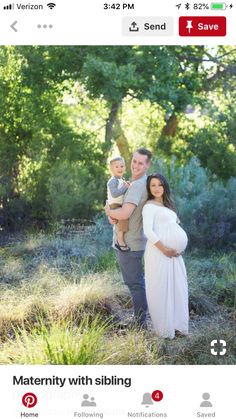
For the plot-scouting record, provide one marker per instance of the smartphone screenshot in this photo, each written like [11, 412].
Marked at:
[117, 209]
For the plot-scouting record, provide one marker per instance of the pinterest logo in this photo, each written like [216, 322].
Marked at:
[29, 400]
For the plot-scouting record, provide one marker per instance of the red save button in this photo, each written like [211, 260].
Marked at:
[202, 26]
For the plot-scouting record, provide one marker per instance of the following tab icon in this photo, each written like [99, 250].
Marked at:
[202, 26]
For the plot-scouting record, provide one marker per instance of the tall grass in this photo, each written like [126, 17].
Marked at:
[58, 344]
[89, 343]
[58, 307]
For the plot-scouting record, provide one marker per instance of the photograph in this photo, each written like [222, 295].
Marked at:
[117, 205]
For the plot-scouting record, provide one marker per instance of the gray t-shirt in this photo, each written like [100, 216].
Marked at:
[137, 195]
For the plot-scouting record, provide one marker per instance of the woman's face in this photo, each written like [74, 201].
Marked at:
[156, 188]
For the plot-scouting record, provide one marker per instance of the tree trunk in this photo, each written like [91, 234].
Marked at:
[122, 142]
[170, 128]
[9, 192]
[114, 132]
[109, 126]
[165, 141]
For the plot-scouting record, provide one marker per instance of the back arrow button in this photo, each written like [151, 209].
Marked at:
[13, 26]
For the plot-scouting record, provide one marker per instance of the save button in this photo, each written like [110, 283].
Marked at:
[202, 26]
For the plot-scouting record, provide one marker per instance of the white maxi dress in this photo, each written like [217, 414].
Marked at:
[165, 278]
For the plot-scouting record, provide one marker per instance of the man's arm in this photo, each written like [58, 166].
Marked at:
[123, 213]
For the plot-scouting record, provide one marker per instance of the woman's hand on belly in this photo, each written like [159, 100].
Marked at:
[167, 251]
[170, 253]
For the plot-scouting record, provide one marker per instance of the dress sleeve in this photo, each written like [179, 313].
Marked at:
[149, 212]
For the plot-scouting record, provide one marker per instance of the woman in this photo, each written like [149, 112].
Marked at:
[165, 273]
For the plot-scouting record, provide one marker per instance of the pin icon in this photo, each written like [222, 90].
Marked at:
[29, 400]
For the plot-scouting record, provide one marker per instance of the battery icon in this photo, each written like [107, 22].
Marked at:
[218, 6]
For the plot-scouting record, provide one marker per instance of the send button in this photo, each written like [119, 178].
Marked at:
[147, 26]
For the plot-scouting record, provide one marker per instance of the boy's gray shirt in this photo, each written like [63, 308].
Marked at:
[113, 185]
[137, 195]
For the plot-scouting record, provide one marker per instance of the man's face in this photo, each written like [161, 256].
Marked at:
[139, 165]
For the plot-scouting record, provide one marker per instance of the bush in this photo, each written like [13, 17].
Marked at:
[205, 205]
[17, 213]
[215, 150]
[73, 191]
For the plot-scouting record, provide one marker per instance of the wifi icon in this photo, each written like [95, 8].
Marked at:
[51, 5]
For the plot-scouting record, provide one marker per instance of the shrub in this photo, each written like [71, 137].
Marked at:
[205, 205]
[73, 191]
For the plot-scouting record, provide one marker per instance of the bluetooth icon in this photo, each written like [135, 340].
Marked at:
[187, 6]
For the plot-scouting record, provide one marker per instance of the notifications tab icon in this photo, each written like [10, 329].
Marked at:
[202, 26]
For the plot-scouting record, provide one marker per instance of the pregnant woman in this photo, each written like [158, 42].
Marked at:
[165, 273]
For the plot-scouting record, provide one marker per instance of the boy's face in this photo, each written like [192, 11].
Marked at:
[117, 168]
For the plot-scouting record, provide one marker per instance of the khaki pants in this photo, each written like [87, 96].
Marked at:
[122, 225]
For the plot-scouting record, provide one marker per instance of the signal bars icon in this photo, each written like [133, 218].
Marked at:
[9, 7]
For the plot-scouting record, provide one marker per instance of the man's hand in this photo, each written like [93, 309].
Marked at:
[108, 211]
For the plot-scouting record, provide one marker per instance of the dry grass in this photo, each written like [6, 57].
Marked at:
[59, 307]
[51, 296]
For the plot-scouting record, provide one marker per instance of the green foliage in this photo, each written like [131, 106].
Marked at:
[205, 205]
[73, 190]
[215, 151]
[60, 107]
[212, 278]
[170, 76]
[110, 76]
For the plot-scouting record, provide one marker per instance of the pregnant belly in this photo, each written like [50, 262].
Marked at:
[174, 236]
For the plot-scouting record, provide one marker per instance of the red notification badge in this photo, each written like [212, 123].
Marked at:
[157, 395]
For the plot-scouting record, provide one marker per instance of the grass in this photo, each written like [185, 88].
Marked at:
[61, 343]
[51, 296]
[61, 299]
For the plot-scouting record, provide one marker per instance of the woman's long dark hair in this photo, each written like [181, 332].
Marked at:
[167, 200]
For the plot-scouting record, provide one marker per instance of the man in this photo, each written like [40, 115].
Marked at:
[130, 262]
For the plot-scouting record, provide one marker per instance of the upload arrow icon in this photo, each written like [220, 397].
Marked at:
[134, 27]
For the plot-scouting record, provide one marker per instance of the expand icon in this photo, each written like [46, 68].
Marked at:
[218, 347]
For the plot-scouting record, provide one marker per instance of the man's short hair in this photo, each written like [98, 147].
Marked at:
[145, 152]
[118, 158]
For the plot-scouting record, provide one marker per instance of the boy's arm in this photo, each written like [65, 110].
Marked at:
[113, 184]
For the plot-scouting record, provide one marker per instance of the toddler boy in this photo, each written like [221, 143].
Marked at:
[116, 188]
